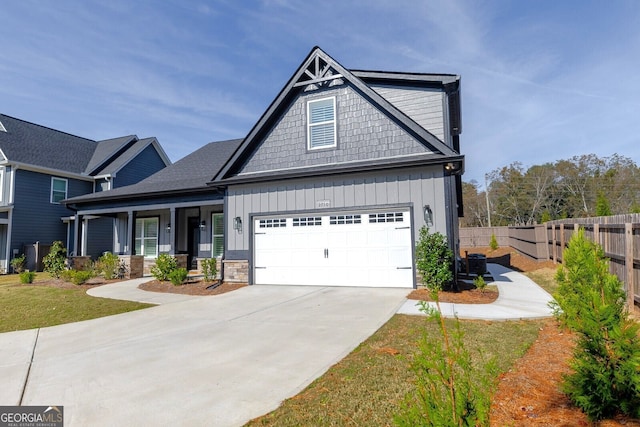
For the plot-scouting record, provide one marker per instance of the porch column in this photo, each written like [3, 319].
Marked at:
[85, 230]
[131, 218]
[172, 231]
[76, 234]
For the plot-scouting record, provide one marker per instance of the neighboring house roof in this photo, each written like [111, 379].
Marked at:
[33, 144]
[326, 68]
[191, 173]
[38, 146]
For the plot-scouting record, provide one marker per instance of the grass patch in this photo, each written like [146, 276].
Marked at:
[27, 306]
[367, 387]
[545, 277]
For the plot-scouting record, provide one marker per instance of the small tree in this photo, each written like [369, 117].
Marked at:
[55, 262]
[209, 269]
[18, 263]
[449, 391]
[493, 244]
[605, 376]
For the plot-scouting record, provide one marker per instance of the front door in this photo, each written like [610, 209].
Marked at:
[193, 242]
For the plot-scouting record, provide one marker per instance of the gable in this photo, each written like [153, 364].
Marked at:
[364, 133]
[319, 73]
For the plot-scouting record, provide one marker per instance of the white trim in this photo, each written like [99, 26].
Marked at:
[154, 207]
[3, 172]
[213, 235]
[143, 238]
[48, 171]
[322, 123]
[66, 189]
[2, 128]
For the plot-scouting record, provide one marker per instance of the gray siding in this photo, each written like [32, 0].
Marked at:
[142, 166]
[363, 133]
[408, 187]
[34, 217]
[424, 106]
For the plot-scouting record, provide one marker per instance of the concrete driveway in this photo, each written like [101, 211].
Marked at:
[219, 360]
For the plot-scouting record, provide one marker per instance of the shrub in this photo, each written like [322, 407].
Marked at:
[109, 265]
[434, 260]
[480, 283]
[18, 264]
[27, 277]
[209, 269]
[55, 261]
[493, 244]
[605, 378]
[449, 391]
[178, 276]
[165, 264]
[77, 277]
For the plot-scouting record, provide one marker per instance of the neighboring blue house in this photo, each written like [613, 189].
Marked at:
[330, 187]
[40, 167]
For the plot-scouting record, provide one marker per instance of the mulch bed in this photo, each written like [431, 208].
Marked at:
[190, 288]
[466, 294]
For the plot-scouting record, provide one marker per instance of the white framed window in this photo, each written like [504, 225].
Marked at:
[321, 123]
[58, 189]
[217, 238]
[2, 172]
[147, 237]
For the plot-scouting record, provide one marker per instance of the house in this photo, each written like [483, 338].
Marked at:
[330, 186]
[40, 167]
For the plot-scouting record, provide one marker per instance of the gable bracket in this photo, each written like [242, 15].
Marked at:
[319, 80]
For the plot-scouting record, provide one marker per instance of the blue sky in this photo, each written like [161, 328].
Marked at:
[541, 80]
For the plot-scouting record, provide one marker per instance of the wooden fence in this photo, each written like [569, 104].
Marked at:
[619, 236]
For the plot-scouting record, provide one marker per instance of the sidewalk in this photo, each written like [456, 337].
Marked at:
[128, 290]
[520, 298]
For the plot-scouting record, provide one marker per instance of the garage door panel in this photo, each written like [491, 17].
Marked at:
[335, 250]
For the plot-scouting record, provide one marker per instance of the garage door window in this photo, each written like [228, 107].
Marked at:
[307, 221]
[386, 217]
[273, 223]
[345, 219]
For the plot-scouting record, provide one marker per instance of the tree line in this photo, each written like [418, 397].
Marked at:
[582, 186]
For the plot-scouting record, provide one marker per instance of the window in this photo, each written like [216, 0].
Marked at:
[217, 240]
[307, 221]
[147, 237]
[1, 184]
[345, 219]
[273, 223]
[321, 120]
[386, 217]
[58, 189]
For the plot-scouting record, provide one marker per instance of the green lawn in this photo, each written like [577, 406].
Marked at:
[26, 306]
[366, 387]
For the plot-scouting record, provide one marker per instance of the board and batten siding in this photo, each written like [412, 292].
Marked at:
[407, 187]
[425, 106]
[363, 133]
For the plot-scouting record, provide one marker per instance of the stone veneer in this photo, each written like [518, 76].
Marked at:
[236, 271]
[134, 266]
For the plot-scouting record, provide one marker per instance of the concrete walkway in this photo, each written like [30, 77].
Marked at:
[128, 290]
[520, 298]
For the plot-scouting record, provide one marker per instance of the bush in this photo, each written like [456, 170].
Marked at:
[209, 269]
[178, 276]
[165, 264]
[480, 283]
[18, 264]
[77, 277]
[605, 378]
[55, 262]
[109, 265]
[493, 244]
[434, 260]
[27, 277]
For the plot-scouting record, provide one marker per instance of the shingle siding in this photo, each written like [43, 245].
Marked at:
[142, 166]
[34, 217]
[363, 133]
[424, 106]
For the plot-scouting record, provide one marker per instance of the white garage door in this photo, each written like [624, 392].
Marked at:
[363, 249]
